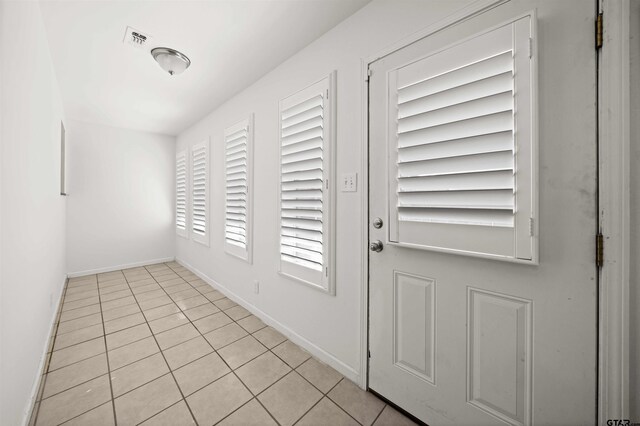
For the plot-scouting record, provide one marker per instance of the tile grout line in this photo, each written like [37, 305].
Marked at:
[78, 384]
[373, 423]
[255, 396]
[231, 370]
[167, 408]
[106, 353]
[200, 335]
[88, 411]
[163, 357]
[319, 401]
[198, 290]
[51, 344]
[268, 349]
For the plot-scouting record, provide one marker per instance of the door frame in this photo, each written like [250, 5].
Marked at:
[613, 199]
[614, 211]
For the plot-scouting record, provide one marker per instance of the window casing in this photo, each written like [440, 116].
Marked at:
[181, 193]
[238, 141]
[200, 193]
[307, 137]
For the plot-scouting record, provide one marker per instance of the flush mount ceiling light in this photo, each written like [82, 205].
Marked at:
[170, 60]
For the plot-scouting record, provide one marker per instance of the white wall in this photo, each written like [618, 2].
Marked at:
[121, 197]
[330, 323]
[634, 49]
[32, 210]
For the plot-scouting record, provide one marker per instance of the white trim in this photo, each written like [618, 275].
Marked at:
[324, 356]
[614, 212]
[120, 267]
[467, 12]
[471, 10]
[364, 236]
[28, 412]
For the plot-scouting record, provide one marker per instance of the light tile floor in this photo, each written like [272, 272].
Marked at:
[156, 345]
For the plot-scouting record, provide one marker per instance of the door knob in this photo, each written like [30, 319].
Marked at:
[376, 246]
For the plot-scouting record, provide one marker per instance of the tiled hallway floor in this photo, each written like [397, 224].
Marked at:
[156, 345]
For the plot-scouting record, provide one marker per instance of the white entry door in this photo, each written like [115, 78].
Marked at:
[482, 176]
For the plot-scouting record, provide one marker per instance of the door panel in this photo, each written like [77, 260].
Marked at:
[456, 338]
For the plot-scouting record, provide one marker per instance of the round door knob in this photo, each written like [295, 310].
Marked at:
[376, 246]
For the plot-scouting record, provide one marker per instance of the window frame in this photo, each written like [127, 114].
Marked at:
[200, 238]
[245, 254]
[323, 281]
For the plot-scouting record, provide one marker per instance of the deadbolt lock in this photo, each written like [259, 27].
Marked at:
[377, 223]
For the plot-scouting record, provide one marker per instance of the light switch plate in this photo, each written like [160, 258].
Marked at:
[349, 182]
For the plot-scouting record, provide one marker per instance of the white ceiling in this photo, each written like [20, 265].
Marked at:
[231, 44]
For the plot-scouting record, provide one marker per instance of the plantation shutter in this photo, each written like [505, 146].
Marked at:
[181, 193]
[199, 176]
[461, 126]
[237, 190]
[305, 159]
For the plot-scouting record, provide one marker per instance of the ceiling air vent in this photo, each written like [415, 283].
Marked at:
[136, 38]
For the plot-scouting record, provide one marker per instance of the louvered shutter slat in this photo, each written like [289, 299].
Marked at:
[302, 262]
[483, 125]
[493, 104]
[302, 137]
[304, 224]
[458, 182]
[458, 216]
[304, 145]
[302, 185]
[474, 72]
[455, 158]
[494, 142]
[479, 89]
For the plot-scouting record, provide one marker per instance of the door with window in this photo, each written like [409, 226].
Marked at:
[482, 280]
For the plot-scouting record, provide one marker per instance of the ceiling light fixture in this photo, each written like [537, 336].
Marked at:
[170, 60]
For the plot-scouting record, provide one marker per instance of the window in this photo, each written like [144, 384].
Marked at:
[181, 193]
[306, 215]
[199, 188]
[238, 140]
[463, 147]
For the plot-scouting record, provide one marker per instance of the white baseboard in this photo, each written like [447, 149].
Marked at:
[119, 267]
[310, 347]
[36, 385]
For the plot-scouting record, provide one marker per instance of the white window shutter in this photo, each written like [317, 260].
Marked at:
[238, 141]
[181, 193]
[199, 192]
[306, 213]
[463, 147]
